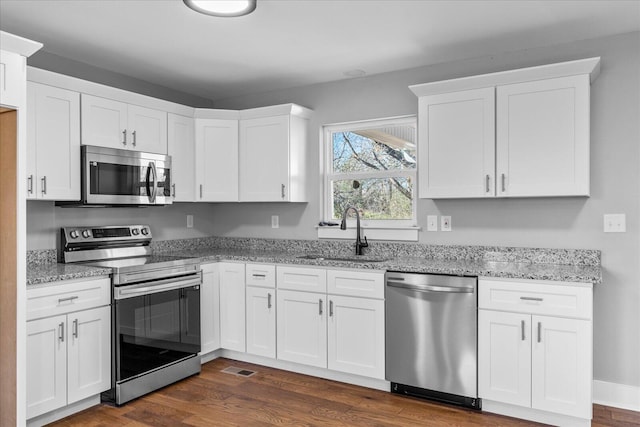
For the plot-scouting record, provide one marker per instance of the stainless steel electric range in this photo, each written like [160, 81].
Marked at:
[155, 307]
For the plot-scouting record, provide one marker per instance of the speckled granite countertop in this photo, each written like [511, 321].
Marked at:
[52, 272]
[566, 265]
[559, 272]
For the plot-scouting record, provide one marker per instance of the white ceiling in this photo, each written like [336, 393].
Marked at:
[288, 43]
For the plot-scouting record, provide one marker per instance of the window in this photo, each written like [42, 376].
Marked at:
[371, 165]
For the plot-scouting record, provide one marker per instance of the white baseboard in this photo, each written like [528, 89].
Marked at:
[617, 395]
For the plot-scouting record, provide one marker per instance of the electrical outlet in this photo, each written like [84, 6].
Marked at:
[445, 223]
[275, 221]
[432, 222]
[189, 221]
[615, 223]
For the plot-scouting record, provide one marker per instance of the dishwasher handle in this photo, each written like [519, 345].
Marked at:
[432, 288]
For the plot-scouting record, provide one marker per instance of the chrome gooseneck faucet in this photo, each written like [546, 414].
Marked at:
[343, 226]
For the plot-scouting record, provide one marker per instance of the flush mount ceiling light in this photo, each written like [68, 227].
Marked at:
[222, 7]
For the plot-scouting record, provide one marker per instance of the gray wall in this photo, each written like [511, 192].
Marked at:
[545, 222]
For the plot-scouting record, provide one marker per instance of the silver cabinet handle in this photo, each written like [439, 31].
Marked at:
[134, 137]
[124, 137]
[330, 308]
[269, 300]
[201, 191]
[61, 300]
[522, 328]
[539, 331]
[259, 275]
[282, 189]
[30, 184]
[487, 183]
[532, 299]
[75, 328]
[320, 307]
[503, 177]
[61, 332]
[44, 184]
[173, 190]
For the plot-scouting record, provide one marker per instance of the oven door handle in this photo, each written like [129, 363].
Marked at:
[159, 286]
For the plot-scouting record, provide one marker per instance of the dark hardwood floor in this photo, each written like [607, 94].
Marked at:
[275, 397]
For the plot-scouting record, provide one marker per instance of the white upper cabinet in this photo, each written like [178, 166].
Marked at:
[115, 124]
[12, 78]
[543, 137]
[181, 148]
[53, 143]
[216, 160]
[519, 133]
[457, 144]
[272, 154]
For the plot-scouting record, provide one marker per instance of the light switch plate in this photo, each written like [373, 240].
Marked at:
[445, 223]
[432, 222]
[189, 221]
[615, 223]
[275, 221]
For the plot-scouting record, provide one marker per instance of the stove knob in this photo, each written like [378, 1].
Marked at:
[145, 231]
[135, 231]
[86, 234]
[73, 234]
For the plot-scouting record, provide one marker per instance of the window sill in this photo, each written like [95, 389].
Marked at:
[403, 234]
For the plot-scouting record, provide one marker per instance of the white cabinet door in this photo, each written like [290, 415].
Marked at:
[302, 327]
[456, 150]
[46, 365]
[53, 138]
[232, 306]
[561, 365]
[261, 321]
[543, 137]
[217, 160]
[264, 159]
[504, 357]
[89, 353]
[12, 78]
[210, 308]
[181, 148]
[104, 122]
[356, 336]
[147, 129]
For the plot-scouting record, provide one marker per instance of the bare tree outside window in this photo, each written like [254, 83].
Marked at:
[372, 168]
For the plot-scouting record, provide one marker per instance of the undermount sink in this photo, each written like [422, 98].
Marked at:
[354, 258]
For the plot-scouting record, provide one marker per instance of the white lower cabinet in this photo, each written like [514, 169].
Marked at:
[302, 327]
[68, 359]
[355, 337]
[68, 343]
[341, 332]
[232, 306]
[534, 356]
[261, 321]
[210, 308]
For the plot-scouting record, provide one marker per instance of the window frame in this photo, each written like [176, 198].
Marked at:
[326, 160]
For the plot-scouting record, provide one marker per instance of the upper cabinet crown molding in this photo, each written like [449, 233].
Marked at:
[213, 113]
[276, 110]
[20, 45]
[589, 66]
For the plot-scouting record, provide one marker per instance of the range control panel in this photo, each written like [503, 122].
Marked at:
[113, 233]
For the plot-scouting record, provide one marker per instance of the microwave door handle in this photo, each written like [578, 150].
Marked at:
[151, 193]
[148, 182]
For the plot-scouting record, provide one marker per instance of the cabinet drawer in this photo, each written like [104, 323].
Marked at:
[302, 279]
[356, 283]
[536, 297]
[263, 275]
[67, 297]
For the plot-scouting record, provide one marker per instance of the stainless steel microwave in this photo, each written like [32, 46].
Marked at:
[122, 177]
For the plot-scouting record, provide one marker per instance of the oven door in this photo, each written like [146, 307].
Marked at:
[156, 324]
[122, 177]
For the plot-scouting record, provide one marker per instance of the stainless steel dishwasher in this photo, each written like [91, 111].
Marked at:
[431, 337]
